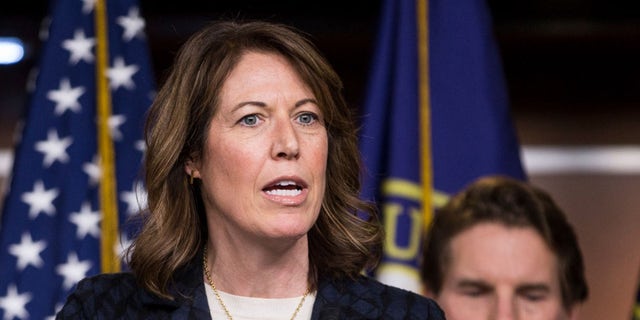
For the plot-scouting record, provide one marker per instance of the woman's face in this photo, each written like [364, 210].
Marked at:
[264, 161]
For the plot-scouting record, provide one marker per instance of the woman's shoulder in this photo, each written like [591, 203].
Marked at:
[107, 282]
[119, 296]
[367, 298]
[104, 294]
[116, 286]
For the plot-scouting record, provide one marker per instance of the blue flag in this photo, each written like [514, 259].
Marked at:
[52, 219]
[436, 117]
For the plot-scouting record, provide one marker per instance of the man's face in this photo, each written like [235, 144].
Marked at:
[499, 272]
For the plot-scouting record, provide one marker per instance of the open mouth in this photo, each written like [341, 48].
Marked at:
[284, 188]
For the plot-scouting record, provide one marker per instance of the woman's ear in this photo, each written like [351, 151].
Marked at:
[191, 170]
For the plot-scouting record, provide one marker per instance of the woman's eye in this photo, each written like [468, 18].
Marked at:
[307, 118]
[249, 120]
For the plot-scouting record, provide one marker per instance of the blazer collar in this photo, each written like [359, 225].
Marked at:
[187, 289]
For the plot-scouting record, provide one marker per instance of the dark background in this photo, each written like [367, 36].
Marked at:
[562, 58]
[573, 76]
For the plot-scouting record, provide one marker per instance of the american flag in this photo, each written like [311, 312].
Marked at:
[50, 232]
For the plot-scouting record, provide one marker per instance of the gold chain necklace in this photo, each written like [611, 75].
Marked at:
[217, 294]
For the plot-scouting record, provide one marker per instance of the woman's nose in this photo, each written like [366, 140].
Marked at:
[285, 141]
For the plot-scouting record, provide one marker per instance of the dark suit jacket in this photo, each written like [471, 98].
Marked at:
[117, 296]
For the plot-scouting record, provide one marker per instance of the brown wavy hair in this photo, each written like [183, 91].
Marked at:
[345, 240]
[512, 203]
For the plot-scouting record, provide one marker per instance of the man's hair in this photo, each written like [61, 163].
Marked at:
[512, 203]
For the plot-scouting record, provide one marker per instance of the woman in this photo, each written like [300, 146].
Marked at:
[252, 171]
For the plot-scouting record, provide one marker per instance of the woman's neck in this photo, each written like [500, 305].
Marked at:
[264, 271]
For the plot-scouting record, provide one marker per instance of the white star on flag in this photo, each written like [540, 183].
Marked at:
[79, 47]
[136, 199]
[140, 146]
[132, 24]
[28, 252]
[54, 148]
[93, 170]
[40, 200]
[55, 312]
[121, 74]
[88, 5]
[73, 270]
[66, 97]
[114, 123]
[122, 246]
[14, 303]
[86, 221]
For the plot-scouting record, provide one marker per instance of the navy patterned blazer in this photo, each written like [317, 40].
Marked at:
[117, 296]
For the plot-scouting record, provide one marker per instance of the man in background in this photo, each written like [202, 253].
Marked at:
[502, 249]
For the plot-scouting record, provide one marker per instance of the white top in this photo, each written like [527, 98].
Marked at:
[247, 308]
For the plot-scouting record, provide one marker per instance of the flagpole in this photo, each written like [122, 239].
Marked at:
[108, 202]
[422, 12]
